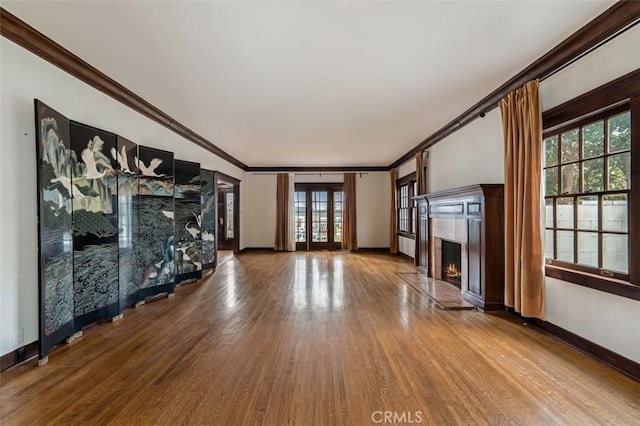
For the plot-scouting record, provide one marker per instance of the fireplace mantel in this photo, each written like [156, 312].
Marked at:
[472, 216]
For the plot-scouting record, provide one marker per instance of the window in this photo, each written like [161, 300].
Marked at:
[337, 216]
[406, 190]
[589, 197]
[300, 202]
[229, 222]
[587, 179]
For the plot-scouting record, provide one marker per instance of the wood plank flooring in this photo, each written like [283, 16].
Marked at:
[444, 295]
[313, 339]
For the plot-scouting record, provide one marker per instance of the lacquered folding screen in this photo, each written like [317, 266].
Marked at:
[188, 219]
[208, 206]
[95, 224]
[55, 194]
[156, 216]
[118, 223]
[129, 265]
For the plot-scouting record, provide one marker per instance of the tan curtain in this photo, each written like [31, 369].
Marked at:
[393, 230]
[522, 127]
[421, 188]
[421, 179]
[291, 234]
[282, 212]
[349, 225]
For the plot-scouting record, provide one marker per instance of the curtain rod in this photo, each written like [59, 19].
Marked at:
[307, 174]
[585, 53]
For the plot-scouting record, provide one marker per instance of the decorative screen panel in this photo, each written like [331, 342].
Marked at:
[95, 224]
[55, 193]
[156, 226]
[129, 268]
[208, 208]
[188, 219]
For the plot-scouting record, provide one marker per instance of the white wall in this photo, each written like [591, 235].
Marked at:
[258, 222]
[23, 77]
[372, 204]
[474, 155]
[407, 246]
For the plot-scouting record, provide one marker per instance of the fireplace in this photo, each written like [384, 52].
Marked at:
[461, 241]
[451, 263]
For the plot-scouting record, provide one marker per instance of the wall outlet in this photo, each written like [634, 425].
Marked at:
[18, 337]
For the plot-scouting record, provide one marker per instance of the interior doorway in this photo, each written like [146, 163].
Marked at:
[318, 216]
[228, 217]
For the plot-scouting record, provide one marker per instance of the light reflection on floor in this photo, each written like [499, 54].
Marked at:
[231, 299]
[318, 283]
[404, 306]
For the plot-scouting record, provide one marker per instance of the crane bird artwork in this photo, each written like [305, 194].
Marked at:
[122, 159]
[88, 157]
[70, 187]
[149, 170]
[193, 230]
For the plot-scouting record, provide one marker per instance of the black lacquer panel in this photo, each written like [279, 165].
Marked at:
[208, 208]
[55, 193]
[129, 267]
[156, 221]
[117, 223]
[188, 220]
[95, 224]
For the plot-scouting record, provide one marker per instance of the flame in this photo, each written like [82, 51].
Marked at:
[452, 271]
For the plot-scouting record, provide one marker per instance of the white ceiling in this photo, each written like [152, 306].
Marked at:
[310, 83]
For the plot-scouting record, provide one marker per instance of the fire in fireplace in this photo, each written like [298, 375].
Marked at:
[451, 269]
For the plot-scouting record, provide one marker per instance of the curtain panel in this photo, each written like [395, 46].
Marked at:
[421, 185]
[349, 224]
[524, 263]
[282, 212]
[393, 230]
[291, 228]
[421, 179]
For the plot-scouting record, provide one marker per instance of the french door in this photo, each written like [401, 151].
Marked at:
[318, 216]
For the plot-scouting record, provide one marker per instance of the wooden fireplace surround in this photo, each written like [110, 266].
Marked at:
[472, 216]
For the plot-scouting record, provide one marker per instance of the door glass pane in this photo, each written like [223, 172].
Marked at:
[300, 201]
[588, 213]
[319, 221]
[337, 217]
[229, 197]
[588, 248]
[615, 213]
[615, 253]
[564, 211]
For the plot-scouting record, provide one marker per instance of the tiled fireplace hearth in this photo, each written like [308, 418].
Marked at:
[473, 218]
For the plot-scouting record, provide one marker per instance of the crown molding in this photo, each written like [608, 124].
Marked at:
[618, 18]
[313, 169]
[24, 35]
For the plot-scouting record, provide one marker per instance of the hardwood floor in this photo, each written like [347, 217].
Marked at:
[313, 338]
